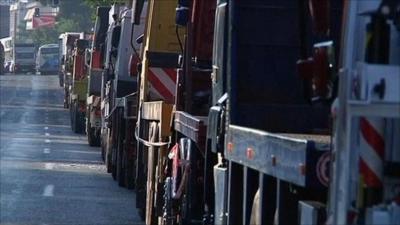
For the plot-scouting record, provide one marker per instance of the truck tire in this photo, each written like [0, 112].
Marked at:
[103, 153]
[113, 163]
[107, 153]
[77, 119]
[72, 117]
[129, 171]
[60, 82]
[142, 213]
[120, 149]
[120, 169]
[93, 139]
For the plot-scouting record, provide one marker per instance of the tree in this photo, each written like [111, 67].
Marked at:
[44, 35]
[74, 16]
[95, 3]
[77, 12]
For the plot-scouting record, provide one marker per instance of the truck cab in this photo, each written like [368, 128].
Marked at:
[24, 57]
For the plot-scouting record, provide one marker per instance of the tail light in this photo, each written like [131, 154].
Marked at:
[319, 70]
[134, 61]
[319, 10]
[97, 112]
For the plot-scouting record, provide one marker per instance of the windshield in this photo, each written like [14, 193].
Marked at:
[25, 55]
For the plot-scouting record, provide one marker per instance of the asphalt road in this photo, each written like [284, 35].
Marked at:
[49, 175]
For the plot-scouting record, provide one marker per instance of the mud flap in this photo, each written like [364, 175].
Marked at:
[221, 197]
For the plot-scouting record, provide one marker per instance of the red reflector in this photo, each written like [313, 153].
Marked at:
[250, 153]
[302, 169]
[82, 107]
[273, 160]
[97, 112]
[230, 147]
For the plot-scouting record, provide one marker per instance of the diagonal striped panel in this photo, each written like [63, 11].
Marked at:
[163, 83]
[372, 151]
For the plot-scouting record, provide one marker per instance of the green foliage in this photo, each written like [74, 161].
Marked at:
[44, 35]
[95, 3]
[74, 16]
[78, 12]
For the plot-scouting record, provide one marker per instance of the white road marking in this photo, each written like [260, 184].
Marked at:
[47, 141]
[46, 151]
[49, 166]
[46, 128]
[47, 134]
[48, 191]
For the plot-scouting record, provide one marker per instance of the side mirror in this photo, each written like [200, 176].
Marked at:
[319, 10]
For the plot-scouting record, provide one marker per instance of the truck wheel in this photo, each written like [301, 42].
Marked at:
[113, 163]
[120, 150]
[76, 120]
[107, 151]
[142, 213]
[93, 139]
[120, 169]
[80, 118]
[129, 171]
[61, 82]
[72, 117]
[103, 155]
[113, 166]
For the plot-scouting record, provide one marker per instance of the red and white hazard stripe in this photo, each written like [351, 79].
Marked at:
[162, 83]
[372, 151]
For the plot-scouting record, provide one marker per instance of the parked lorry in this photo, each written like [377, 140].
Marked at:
[78, 87]
[269, 126]
[24, 57]
[95, 63]
[112, 40]
[66, 44]
[119, 100]
[182, 182]
[157, 80]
